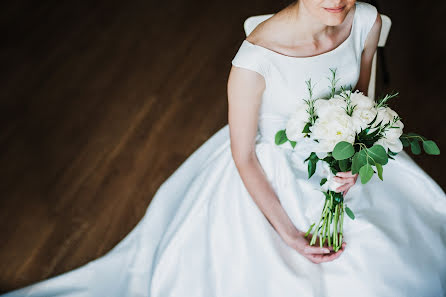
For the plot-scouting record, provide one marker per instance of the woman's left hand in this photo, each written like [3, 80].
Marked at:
[347, 179]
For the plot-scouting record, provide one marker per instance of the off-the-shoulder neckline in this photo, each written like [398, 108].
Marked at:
[350, 36]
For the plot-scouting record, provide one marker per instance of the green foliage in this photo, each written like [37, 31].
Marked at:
[333, 81]
[378, 154]
[344, 165]
[366, 173]
[280, 137]
[379, 168]
[360, 159]
[343, 150]
[312, 162]
[430, 147]
[333, 163]
[413, 140]
[350, 213]
[415, 146]
[306, 128]
[382, 102]
[323, 181]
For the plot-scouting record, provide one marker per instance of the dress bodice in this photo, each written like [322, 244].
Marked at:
[285, 76]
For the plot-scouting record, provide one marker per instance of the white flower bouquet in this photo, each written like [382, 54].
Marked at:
[351, 132]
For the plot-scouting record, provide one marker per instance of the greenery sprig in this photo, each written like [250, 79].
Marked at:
[382, 102]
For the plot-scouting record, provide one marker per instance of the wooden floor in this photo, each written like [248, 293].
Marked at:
[102, 100]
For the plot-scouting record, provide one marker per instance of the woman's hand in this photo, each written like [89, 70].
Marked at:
[347, 179]
[314, 253]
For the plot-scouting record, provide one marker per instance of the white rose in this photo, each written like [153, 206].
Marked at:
[361, 101]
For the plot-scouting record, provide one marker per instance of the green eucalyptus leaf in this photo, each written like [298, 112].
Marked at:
[356, 163]
[313, 156]
[366, 173]
[343, 165]
[293, 143]
[378, 153]
[343, 150]
[280, 137]
[430, 147]
[415, 146]
[360, 159]
[350, 213]
[311, 167]
[405, 141]
[379, 168]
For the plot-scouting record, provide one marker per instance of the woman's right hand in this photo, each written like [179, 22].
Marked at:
[314, 253]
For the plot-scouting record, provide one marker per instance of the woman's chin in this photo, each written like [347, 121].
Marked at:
[333, 21]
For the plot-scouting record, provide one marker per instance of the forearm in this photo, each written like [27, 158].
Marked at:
[263, 194]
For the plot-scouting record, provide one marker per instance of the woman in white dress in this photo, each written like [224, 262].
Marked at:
[229, 221]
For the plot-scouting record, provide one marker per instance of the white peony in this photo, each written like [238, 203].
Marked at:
[332, 128]
[362, 117]
[361, 101]
[386, 115]
[391, 139]
[325, 107]
[296, 123]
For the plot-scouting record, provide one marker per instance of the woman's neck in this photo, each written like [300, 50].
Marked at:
[306, 27]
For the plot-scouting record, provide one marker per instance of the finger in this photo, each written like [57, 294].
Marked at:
[344, 179]
[332, 256]
[343, 187]
[319, 258]
[315, 250]
[344, 174]
[338, 179]
[324, 258]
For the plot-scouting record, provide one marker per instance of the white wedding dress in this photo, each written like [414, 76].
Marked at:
[204, 236]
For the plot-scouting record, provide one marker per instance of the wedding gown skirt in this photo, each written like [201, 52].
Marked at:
[204, 236]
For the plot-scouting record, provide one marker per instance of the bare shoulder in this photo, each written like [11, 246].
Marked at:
[268, 33]
[263, 33]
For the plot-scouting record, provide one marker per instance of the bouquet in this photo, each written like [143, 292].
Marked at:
[351, 132]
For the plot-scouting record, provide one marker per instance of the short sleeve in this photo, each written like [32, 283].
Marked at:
[367, 17]
[248, 56]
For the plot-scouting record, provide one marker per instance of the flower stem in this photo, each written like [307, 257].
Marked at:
[335, 228]
[342, 223]
[313, 239]
[309, 229]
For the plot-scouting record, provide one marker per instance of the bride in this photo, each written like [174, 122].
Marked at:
[230, 220]
[303, 29]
